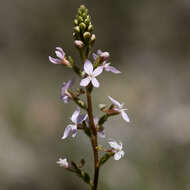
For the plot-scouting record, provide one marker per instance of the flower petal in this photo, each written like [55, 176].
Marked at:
[63, 162]
[88, 67]
[85, 81]
[125, 116]
[74, 133]
[101, 134]
[66, 132]
[99, 52]
[115, 102]
[60, 49]
[75, 115]
[54, 60]
[97, 71]
[112, 69]
[95, 82]
[114, 145]
[117, 156]
[59, 54]
[81, 118]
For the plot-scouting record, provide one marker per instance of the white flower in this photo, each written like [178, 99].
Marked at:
[76, 118]
[117, 149]
[119, 108]
[88, 68]
[63, 162]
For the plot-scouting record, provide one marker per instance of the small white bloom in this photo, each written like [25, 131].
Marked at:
[117, 149]
[88, 68]
[119, 108]
[63, 162]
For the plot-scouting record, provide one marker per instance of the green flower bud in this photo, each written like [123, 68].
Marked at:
[90, 28]
[87, 35]
[76, 22]
[82, 26]
[77, 29]
[87, 21]
[80, 19]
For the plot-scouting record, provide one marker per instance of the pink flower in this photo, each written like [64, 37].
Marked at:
[61, 57]
[76, 118]
[119, 108]
[91, 75]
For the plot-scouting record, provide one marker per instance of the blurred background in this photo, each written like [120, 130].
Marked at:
[149, 41]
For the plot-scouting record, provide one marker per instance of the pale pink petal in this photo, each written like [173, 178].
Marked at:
[54, 60]
[66, 132]
[95, 82]
[115, 102]
[60, 50]
[97, 71]
[88, 67]
[75, 115]
[125, 116]
[59, 54]
[99, 52]
[112, 69]
[117, 156]
[114, 145]
[85, 81]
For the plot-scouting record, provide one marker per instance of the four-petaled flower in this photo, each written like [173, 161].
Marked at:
[63, 162]
[119, 108]
[65, 95]
[61, 57]
[117, 149]
[76, 118]
[91, 75]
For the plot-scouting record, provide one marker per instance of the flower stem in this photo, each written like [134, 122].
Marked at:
[94, 140]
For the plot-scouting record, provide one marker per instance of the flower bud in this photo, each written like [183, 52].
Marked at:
[76, 22]
[77, 29]
[87, 35]
[90, 28]
[78, 43]
[82, 26]
[80, 19]
[104, 56]
[92, 39]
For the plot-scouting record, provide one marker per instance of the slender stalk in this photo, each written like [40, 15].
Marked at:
[94, 140]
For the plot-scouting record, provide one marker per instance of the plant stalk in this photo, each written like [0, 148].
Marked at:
[94, 139]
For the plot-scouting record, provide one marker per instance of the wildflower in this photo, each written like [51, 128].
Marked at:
[65, 95]
[106, 66]
[88, 68]
[63, 162]
[76, 118]
[61, 57]
[103, 55]
[117, 149]
[119, 108]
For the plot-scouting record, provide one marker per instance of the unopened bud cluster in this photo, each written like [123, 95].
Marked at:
[83, 28]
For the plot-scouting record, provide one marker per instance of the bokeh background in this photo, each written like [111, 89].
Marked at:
[149, 42]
